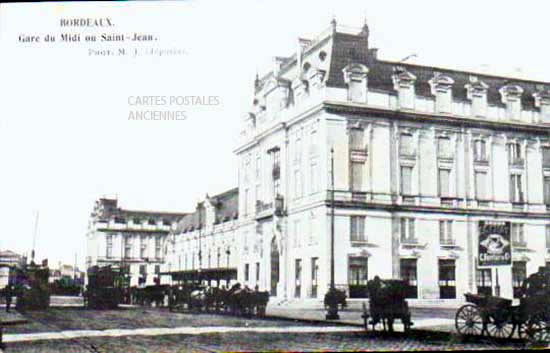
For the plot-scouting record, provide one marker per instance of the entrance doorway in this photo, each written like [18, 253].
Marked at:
[274, 267]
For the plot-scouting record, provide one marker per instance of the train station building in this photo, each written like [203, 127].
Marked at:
[441, 178]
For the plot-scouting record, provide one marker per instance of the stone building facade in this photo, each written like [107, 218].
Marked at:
[422, 155]
[129, 238]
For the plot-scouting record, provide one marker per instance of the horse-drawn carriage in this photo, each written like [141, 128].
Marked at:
[235, 300]
[386, 304]
[497, 317]
[103, 291]
[31, 287]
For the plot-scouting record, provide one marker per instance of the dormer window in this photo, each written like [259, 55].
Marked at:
[542, 101]
[441, 87]
[511, 97]
[403, 83]
[476, 91]
[355, 76]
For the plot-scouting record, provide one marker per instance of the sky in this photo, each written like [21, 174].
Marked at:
[65, 134]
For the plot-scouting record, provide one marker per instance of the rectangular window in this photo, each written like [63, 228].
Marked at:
[406, 180]
[444, 147]
[109, 246]
[313, 176]
[446, 233]
[298, 278]
[519, 274]
[481, 185]
[547, 236]
[447, 279]
[547, 190]
[152, 222]
[484, 281]
[246, 272]
[444, 179]
[127, 246]
[518, 238]
[297, 235]
[314, 276]
[514, 153]
[298, 151]
[356, 139]
[546, 157]
[258, 167]
[407, 230]
[516, 193]
[443, 101]
[406, 145]
[408, 274]
[357, 224]
[246, 199]
[298, 183]
[358, 276]
[158, 247]
[143, 246]
[142, 274]
[258, 193]
[480, 152]
[257, 272]
[356, 176]
[136, 221]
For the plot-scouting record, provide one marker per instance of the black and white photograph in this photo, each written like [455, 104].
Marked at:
[274, 176]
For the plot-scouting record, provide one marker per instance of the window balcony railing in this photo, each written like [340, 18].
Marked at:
[448, 243]
[276, 172]
[519, 244]
[409, 241]
[517, 162]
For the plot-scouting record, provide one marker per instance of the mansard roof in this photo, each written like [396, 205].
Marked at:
[106, 208]
[344, 48]
[226, 208]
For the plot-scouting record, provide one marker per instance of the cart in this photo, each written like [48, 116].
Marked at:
[497, 317]
[386, 304]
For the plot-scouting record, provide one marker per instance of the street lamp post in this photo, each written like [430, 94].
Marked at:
[332, 313]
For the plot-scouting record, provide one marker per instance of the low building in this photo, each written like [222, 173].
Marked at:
[9, 260]
[131, 239]
[206, 242]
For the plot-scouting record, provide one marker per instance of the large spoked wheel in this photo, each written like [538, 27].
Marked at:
[538, 329]
[500, 327]
[468, 320]
[522, 330]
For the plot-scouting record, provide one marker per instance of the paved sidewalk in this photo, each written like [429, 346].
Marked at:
[354, 318]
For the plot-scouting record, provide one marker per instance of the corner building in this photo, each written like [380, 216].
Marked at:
[421, 156]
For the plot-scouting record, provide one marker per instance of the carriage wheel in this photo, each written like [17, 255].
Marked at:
[500, 328]
[538, 329]
[522, 330]
[468, 320]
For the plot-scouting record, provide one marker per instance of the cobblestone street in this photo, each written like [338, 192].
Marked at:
[157, 330]
[221, 342]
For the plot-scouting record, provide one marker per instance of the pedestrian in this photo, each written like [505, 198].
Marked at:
[535, 284]
[8, 293]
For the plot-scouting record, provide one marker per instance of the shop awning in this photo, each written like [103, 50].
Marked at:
[206, 274]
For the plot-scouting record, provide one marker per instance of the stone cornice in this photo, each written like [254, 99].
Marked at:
[339, 107]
